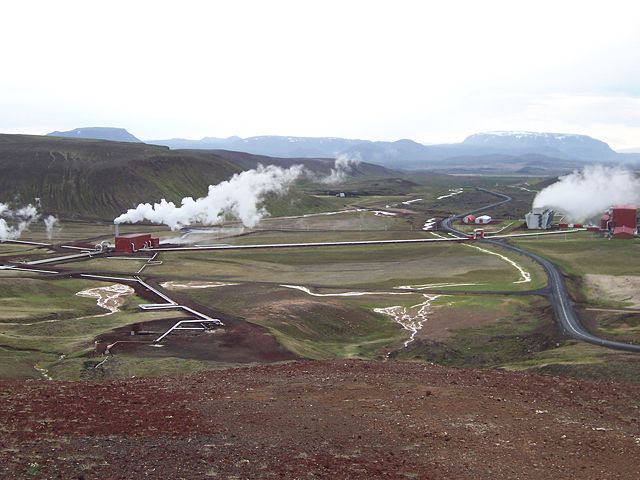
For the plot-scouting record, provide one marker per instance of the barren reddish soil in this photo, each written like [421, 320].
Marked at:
[238, 342]
[331, 419]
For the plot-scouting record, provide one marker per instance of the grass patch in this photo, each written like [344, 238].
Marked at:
[346, 267]
[124, 366]
[312, 327]
[582, 360]
[521, 329]
[43, 319]
[31, 299]
[584, 253]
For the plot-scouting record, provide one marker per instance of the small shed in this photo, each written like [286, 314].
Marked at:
[469, 219]
[483, 219]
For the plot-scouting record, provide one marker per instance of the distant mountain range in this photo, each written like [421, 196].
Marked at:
[490, 152]
[516, 151]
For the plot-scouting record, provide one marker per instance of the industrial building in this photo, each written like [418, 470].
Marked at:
[133, 242]
[539, 218]
[620, 221]
[481, 220]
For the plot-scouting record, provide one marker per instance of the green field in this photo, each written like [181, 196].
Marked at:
[586, 253]
[366, 267]
[42, 320]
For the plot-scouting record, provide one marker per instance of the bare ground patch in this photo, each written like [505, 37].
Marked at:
[619, 288]
[443, 321]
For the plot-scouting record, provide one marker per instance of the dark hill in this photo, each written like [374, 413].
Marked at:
[98, 133]
[101, 179]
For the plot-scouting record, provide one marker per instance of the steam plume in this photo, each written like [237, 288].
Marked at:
[20, 219]
[342, 166]
[51, 226]
[239, 197]
[584, 194]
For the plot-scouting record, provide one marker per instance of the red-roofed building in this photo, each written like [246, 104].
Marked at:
[624, 232]
[624, 216]
[133, 242]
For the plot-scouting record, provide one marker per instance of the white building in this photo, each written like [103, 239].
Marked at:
[483, 219]
[540, 218]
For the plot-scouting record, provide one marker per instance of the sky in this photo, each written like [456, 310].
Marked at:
[432, 71]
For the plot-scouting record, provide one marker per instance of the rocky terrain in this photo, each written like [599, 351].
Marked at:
[330, 419]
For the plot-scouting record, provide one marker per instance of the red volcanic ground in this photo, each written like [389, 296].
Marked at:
[329, 419]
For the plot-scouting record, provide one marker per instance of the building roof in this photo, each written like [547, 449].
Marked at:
[623, 231]
[134, 235]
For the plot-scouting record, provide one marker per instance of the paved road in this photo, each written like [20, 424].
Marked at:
[564, 312]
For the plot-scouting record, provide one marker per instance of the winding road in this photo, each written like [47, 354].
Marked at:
[556, 291]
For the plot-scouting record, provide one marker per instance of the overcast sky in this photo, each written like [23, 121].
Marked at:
[430, 71]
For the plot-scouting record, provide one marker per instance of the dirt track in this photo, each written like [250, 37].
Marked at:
[334, 419]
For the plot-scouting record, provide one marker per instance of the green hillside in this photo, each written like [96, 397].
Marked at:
[100, 179]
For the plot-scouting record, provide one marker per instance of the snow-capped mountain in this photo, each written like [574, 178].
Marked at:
[563, 145]
[409, 154]
[500, 151]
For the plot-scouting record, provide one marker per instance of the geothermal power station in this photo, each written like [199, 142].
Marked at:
[618, 222]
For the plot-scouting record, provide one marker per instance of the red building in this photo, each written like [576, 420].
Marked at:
[623, 222]
[624, 216]
[624, 233]
[135, 241]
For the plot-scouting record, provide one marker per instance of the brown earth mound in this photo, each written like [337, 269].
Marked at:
[333, 419]
[236, 342]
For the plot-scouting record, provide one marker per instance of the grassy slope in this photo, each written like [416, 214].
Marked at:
[522, 326]
[367, 267]
[99, 179]
[586, 253]
[313, 327]
[43, 319]
[578, 255]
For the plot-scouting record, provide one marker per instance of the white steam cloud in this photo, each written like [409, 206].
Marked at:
[343, 165]
[585, 194]
[51, 226]
[13, 222]
[239, 197]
